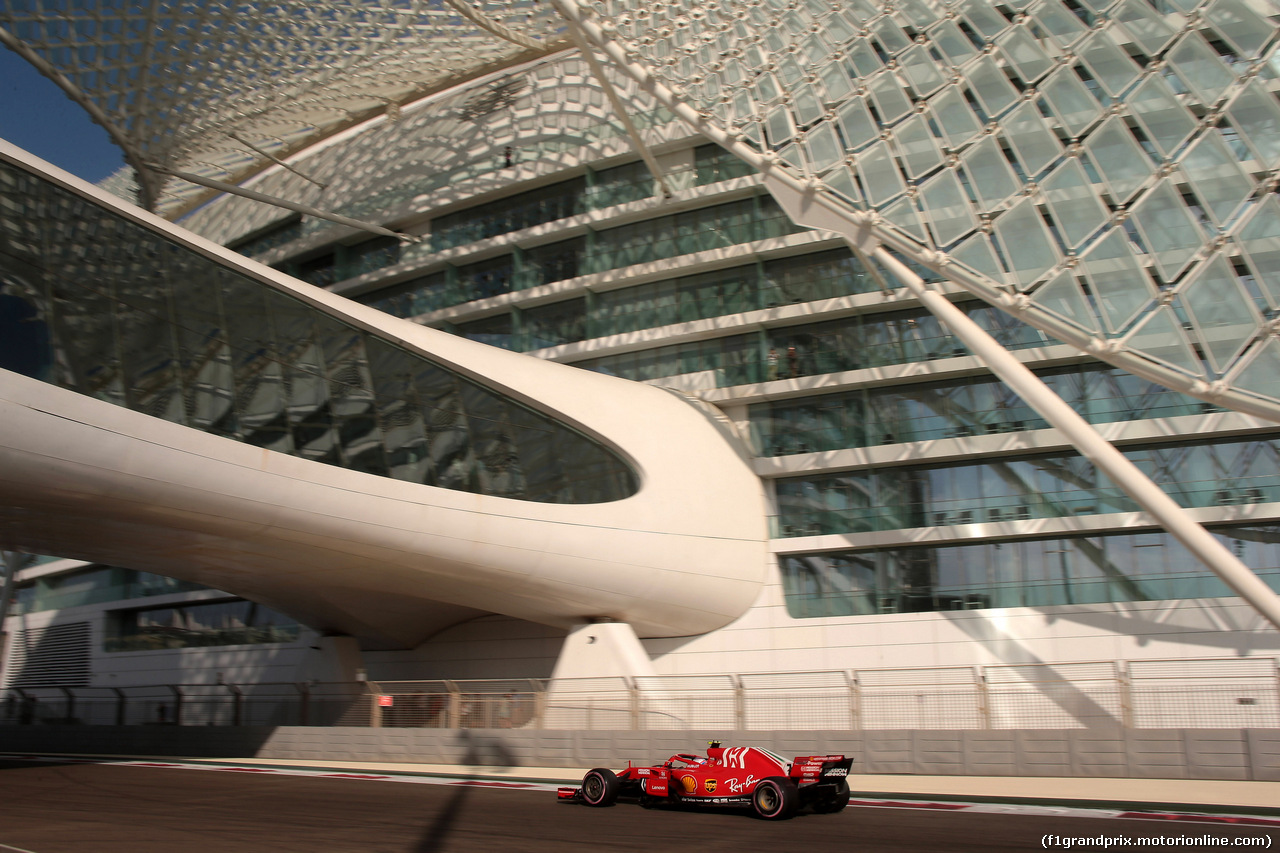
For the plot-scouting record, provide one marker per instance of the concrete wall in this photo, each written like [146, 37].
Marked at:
[1242, 754]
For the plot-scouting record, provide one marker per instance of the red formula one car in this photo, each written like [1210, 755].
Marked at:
[745, 776]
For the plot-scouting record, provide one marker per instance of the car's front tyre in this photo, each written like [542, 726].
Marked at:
[600, 787]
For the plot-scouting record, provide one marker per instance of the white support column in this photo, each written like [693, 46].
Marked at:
[602, 650]
[1091, 445]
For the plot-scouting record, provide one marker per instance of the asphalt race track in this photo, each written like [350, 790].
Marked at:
[48, 807]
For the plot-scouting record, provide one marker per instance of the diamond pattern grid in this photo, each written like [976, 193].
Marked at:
[199, 86]
[1128, 145]
[1118, 155]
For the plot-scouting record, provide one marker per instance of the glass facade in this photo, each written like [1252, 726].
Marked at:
[214, 623]
[1227, 473]
[787, 352]
[665, 237]
[761, 284]
[1112, 162]
[112, 310]
[94, 586]
[514, 213]
[1040, 572]
[974, 405]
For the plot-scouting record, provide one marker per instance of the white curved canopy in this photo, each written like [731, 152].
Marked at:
[219, 88]
[1105, 171]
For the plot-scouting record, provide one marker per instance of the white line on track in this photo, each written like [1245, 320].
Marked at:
[16, 849]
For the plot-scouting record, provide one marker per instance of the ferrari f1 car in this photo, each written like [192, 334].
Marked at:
[745, 777]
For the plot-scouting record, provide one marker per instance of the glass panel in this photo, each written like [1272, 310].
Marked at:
[1119, 283]
[1261, 374]
[1025, 54]
[857, 124]
[983, 18]
[864, 59]
[1108, 64]
[890, 35]
[1150, 31]
[1026, 243]
[880, 179]
[957, 121]
[823, 147]
[778, 126]
[1221, 312]
[836, 83]
[1073, 202]
[1260, 240]
[1255, 115]
[953, 43]
[891, 102]
[989, 174]
[948, 208]
[1165, 120]
[1199, 66]
[1161, 336]
[1064, 297]
[978, 254]
[1123, 164]
[1033, 143]
[1071, 101]
[1168, 228]
[1244, 29]
[1059, 22]
[993, 90]
[922, 71]
[1215, 176]
[916, 145]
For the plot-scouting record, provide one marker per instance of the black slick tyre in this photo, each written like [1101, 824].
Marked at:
[775, 798]
[600, 787]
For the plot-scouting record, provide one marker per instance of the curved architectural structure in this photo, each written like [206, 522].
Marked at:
[223, 93]
[199, 396]
[802, 191]
[1098, 170]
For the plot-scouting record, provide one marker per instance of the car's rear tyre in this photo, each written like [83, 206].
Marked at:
[833, 803]
[775, 798]
[600, 787]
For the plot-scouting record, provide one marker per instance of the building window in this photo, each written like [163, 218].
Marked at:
[217, 623]
[1113, 567]
[1058, 485]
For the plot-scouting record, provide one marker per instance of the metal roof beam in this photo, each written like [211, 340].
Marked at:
[307, 209]
[619, 108]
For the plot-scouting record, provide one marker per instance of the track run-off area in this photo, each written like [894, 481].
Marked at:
[52, 805]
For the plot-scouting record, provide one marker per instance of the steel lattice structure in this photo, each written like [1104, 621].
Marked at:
[1104, 170]
[219, 88]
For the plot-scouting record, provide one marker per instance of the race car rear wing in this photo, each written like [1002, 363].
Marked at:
[821, 768]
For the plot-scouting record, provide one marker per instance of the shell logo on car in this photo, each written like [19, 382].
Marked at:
[689, 783]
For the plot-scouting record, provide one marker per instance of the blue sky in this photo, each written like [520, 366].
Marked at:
[37, 116]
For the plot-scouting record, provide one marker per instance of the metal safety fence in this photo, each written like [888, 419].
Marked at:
[1202, 693]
